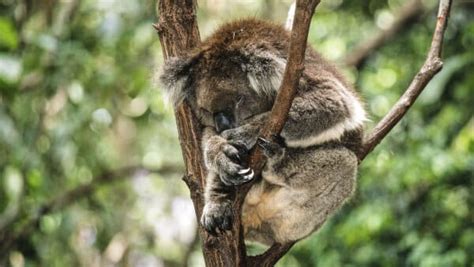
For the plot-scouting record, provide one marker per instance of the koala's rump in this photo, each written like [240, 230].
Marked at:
[289, 204]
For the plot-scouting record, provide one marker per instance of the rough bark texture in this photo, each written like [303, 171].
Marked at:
[270, 257]
[178, 32]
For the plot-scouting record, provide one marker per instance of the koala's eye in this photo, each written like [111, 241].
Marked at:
[205, 111]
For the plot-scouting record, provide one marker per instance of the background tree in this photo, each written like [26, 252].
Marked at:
[77, 106]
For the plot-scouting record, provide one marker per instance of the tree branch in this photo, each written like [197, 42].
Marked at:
[178, 32]
[293, 70]
[432, 65]
[279, 114]
[410, 11]
[271, 256]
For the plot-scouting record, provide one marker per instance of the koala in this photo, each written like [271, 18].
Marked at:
[230, 82]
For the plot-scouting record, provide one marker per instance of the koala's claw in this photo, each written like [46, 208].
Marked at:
[229, 166]
[244, 171]
[241, 149]
[232, 152]
[243, 176]
[262, 142]
[217, 217]
[247, 174]
[249, 177]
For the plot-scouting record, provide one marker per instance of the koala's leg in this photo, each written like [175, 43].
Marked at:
[217, 213]
[224, 171]
[324, 180]
[303, 189]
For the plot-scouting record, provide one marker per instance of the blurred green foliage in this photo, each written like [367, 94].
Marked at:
[90, 162]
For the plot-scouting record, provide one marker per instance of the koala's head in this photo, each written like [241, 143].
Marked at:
[229, 79]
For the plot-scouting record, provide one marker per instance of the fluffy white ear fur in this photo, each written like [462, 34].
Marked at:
[264, 71]
[174, 77]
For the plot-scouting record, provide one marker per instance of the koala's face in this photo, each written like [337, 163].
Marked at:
[225, 85]
[224, 98]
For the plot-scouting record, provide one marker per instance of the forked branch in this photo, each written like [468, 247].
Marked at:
[432, 65]
[178, 32]
[279, 113]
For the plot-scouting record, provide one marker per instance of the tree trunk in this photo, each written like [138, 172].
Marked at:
[178, 32]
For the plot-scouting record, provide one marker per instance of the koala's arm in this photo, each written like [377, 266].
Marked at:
[224, 157]
[223, 162]
[321, 111]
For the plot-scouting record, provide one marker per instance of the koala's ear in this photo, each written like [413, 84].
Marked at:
[264, 69]
[175, 78]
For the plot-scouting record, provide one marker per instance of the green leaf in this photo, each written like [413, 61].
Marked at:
[8, 36]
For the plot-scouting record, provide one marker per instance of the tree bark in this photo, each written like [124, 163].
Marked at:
[178, 32]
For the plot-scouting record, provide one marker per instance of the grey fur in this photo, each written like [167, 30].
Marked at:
[264, 70]
[174, 77]
[308, 175]
[308, 185]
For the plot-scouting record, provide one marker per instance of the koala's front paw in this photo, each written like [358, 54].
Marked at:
[272, 150]
[227, 161]
[244, 135]
[217, 216]
[229, 166]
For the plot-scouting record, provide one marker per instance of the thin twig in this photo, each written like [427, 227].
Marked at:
[432, 65]
[410, 11]
[270, 257]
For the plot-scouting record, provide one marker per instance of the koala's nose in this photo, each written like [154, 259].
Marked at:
[223, 121]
